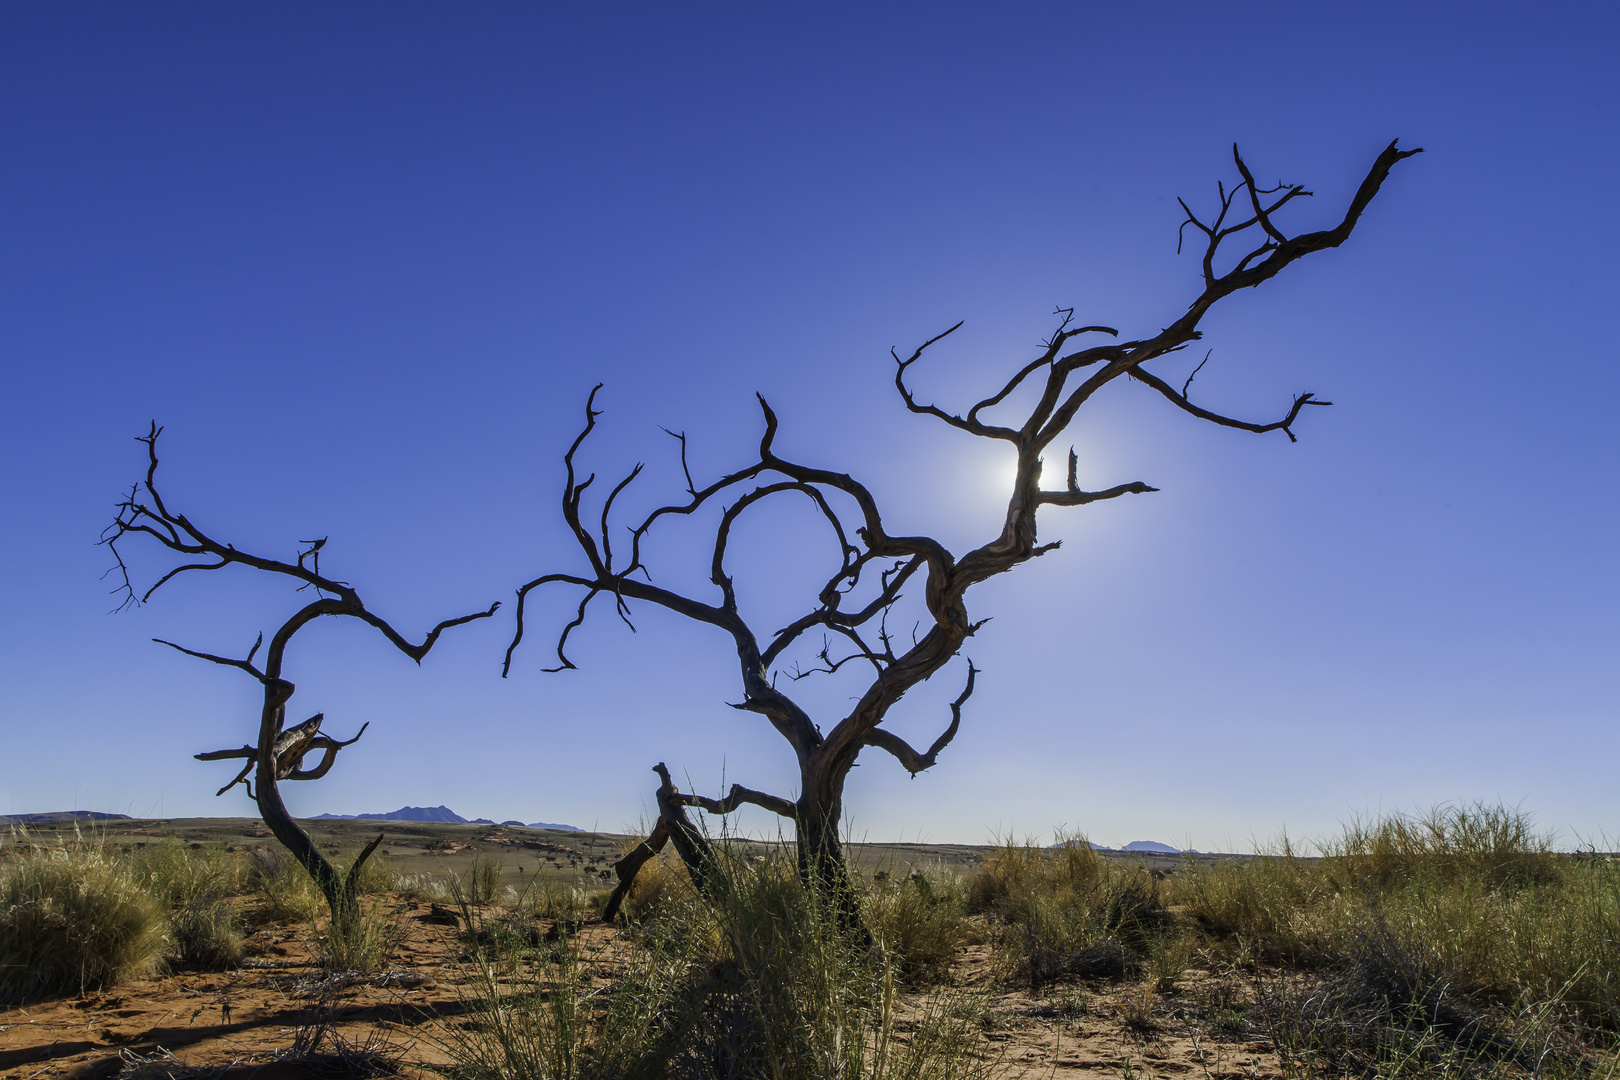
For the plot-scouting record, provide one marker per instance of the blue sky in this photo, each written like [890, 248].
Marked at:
[365, 262]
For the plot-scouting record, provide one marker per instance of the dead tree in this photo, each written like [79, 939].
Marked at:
[280, 751]
[1061, 380]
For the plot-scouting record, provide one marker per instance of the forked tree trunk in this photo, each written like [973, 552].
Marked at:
[341, 891]
[819, 846]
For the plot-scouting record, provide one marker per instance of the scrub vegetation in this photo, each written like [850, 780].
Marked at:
[1452, 944]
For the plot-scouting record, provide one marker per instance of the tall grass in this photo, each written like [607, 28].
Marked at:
[1474, 890]
[1067, 911]
[192, 883]
[919, 920]
[482, 882]
[180, 876]
[71, 920]
[755, 980]
[360, 940]
[284, 887]
[1455, 942]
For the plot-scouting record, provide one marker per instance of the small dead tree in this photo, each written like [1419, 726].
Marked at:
[280, 751]
[1062, 379]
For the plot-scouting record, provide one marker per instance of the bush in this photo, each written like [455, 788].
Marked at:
[71, 921]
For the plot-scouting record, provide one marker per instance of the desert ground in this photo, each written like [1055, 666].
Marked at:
[245, 1021]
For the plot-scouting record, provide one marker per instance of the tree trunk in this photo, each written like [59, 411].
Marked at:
[340, 890]
[822, 865]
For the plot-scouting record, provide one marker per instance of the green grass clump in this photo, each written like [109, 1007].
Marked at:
[179, 875]
[192, 882]
[1474, 891]
[360, 939]
[72, 920]
[377, 877]
[286, 892]
[918, 918]
[661, 884]
[1067, 911]
[482, 883]
[1453, 943]
[206, 937]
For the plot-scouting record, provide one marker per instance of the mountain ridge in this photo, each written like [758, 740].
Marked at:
[441, 814]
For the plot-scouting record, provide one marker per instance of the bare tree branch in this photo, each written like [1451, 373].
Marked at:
[1285, 425]
[245, 665]
[739, 795]
[907, 756]
[1073, 496]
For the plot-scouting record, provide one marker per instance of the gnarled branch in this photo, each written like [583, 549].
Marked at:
[739, 795]
[1285, 425]
[903, 751]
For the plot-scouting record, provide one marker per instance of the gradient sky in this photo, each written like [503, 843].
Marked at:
[365, 261]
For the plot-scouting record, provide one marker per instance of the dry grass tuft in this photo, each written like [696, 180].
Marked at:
[72, 920]
[1067, 911]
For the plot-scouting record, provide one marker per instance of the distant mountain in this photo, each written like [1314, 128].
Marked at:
[428, 813]
[1151, 845]
[59, 815]
[405, 813]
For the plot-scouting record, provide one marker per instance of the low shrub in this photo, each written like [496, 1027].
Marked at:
[71, 920]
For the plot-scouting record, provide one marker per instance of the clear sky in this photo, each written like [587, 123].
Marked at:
[365, 261]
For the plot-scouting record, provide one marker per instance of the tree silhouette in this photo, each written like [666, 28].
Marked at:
[278, 753]
[874, 564]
